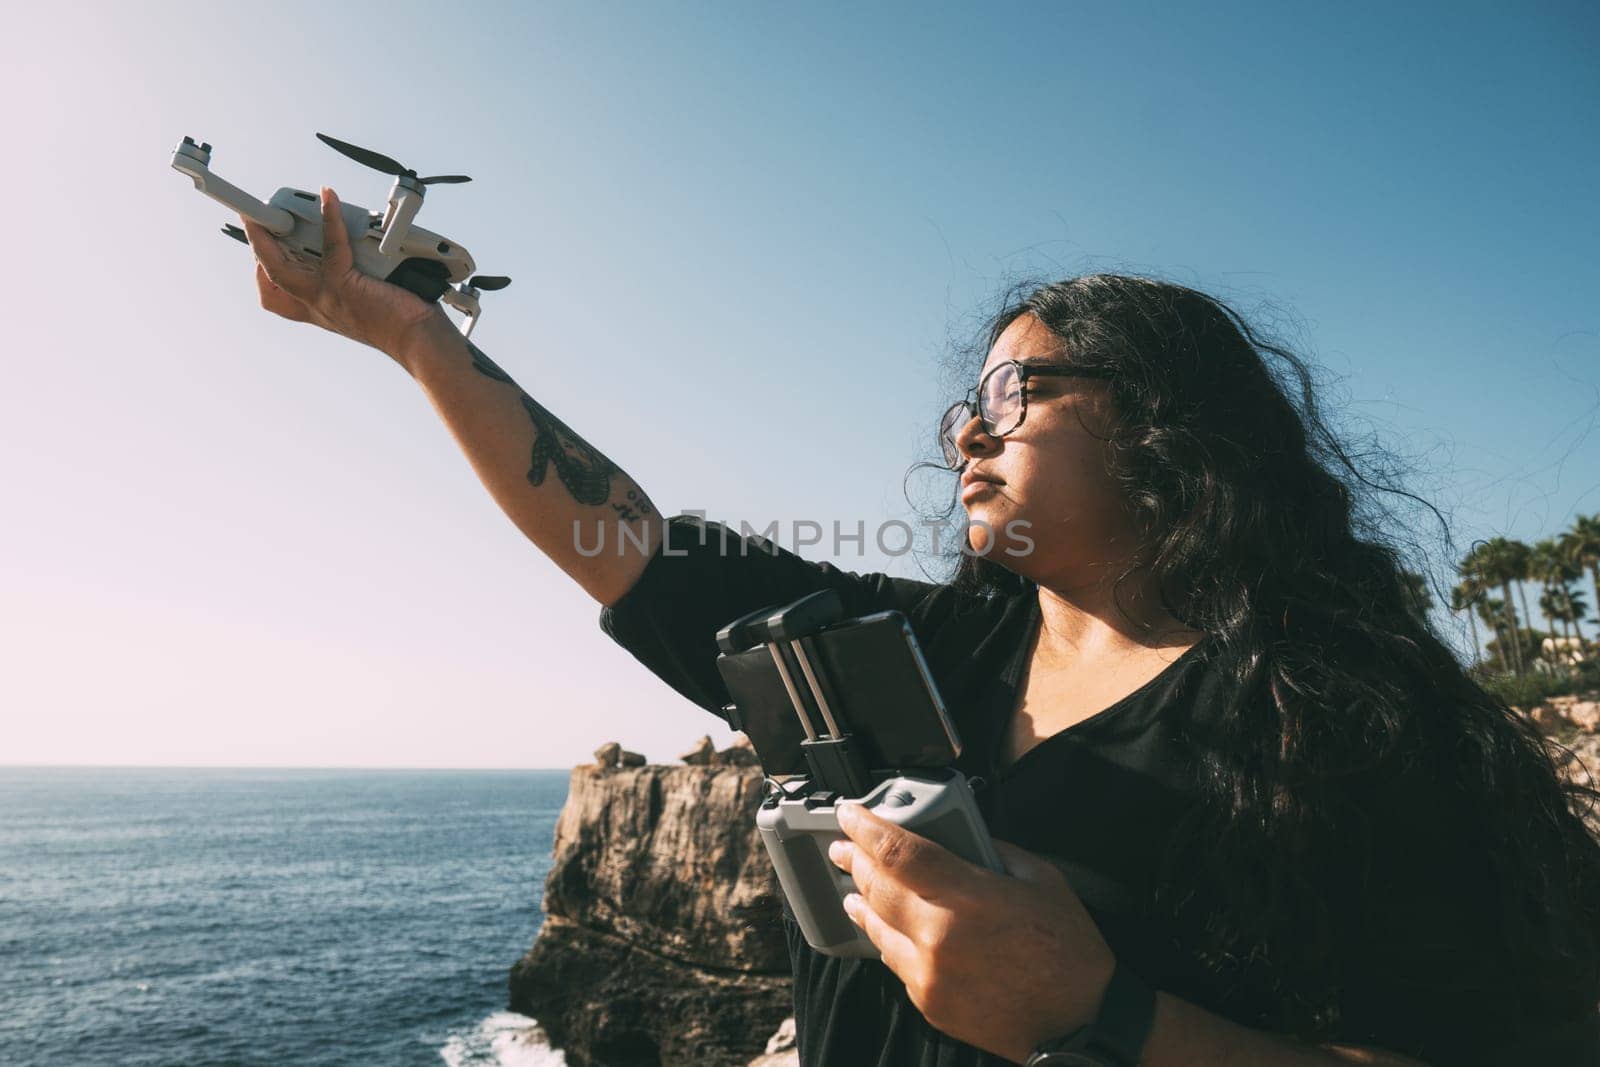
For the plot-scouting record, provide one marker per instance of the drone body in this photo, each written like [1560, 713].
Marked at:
[385, 245]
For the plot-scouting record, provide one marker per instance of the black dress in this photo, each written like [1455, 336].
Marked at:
[1104, 799]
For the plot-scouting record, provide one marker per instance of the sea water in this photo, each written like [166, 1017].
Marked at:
[269, 916]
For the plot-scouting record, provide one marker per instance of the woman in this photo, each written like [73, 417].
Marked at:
[1252, 810]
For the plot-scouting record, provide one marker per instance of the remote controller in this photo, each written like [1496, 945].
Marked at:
[937, 804]
[810, 659]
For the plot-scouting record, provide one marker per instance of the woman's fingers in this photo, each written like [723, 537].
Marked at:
[293, 278]
[336, 255]
[276, 300]
[326, 290]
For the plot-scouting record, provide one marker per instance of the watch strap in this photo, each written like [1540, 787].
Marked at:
[1116, 1037]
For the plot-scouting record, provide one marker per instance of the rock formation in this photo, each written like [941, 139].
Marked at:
[662, 941]
[1574, 722]
[702, 754]
[1572, 711]
[781, 1048]
[612, 754]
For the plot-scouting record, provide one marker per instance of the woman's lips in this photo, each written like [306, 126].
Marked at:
[975, 488]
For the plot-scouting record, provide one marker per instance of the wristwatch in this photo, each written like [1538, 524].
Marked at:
[1117, 1035]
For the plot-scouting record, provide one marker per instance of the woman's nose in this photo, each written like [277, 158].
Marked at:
[974, 440]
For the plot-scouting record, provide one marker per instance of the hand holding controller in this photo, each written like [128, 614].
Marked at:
[829, 671]
[937, 804]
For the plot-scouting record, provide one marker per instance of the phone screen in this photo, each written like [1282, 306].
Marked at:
[874, 681]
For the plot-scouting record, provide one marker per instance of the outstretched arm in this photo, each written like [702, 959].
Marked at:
[586, 514]
[570, 500]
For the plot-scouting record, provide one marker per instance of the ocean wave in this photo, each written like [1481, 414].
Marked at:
[504, 1039]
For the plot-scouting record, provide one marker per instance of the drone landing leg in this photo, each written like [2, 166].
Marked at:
[465, 302]
[403, 208]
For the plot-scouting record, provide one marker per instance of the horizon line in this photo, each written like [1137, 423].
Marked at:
[257, 767]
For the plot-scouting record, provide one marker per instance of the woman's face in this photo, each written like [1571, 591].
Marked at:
[1046, 481]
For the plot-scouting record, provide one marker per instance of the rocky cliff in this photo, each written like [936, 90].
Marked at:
[662, 942]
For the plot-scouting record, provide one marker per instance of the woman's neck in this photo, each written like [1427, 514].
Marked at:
[1091, 621]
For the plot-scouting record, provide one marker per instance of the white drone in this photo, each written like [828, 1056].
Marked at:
[385, 245]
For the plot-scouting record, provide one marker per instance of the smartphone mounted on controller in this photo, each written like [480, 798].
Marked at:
[843, 709]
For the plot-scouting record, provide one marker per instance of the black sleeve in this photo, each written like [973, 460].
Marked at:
[704, 576]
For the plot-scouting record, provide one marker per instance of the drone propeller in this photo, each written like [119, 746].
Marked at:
[488, 283]
[380, 162]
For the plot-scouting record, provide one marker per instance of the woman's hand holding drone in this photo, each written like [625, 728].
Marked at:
[331, 293]
[999, 961]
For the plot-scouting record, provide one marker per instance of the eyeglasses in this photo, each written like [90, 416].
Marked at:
[1001, 402]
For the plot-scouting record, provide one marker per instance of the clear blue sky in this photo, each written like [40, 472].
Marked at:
[229, 539]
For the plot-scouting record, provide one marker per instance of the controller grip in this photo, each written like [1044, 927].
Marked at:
[797, 832]
[815, 890]
[960, 829]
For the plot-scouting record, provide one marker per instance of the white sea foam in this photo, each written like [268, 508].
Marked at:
[504, 1039]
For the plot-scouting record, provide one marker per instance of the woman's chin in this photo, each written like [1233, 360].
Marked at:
[980, 528]
[980, 535]
[992, 531]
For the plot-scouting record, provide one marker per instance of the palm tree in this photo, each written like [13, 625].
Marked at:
[1550, 603]
[1576, 608]
[1550, 566]
[1582, 546]
[1519, 557]
[1492, 610]
[1569, 608]
[1464, 597]
[1497, 562]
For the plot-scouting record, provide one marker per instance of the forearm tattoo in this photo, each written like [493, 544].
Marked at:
[583, 470]
[636, 507]
[486, 366]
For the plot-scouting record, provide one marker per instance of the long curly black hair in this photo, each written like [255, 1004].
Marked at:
[1259, 537]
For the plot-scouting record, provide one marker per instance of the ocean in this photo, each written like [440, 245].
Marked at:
[166, 916]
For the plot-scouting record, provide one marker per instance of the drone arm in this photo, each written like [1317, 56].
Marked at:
[403, 208]
[465, 302]
[195, 164]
